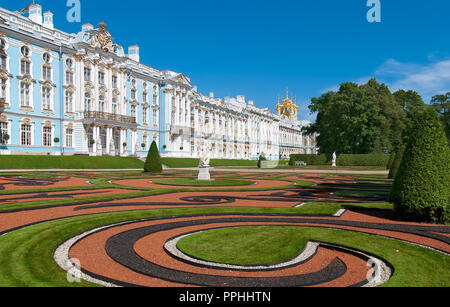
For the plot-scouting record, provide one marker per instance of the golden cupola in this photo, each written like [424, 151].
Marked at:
[288, 108]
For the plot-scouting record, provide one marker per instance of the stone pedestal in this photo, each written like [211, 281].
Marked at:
[204, 175]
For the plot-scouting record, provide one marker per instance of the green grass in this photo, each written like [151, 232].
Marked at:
[245, 245]
[26, 255]
[194, 182]
[69, 162]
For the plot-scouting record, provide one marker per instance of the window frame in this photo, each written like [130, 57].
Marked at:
[47, 136]
[26, 136]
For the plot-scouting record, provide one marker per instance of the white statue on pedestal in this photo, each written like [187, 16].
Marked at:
[334, 159]
[204, 162]
[204, 175]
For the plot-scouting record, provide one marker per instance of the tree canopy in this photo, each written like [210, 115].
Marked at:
[441, 103]
[361, 119]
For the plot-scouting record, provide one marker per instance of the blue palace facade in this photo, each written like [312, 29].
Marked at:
[67, 94]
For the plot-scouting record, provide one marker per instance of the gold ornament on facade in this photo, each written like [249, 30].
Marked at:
[87, 89]
[104, 38]
[79, 57]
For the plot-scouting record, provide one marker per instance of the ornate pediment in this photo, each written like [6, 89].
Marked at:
[183, 80]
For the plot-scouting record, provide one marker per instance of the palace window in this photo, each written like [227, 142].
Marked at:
[133, 94]
[3, 83]
[101, 78]
[133, 111]
[69, 63]
[101, 104]
[69, 137]
[69, 101]
[87, 102]
[47, 136]
[144, 98]
[145, 115]
[46, 57]
[114, 81]
[145, 141]
[25, 134]
[3, 133]
[3, 60]
[69, 78]
[114, 106]
[87, 74]
[155, 100]
[46, 98]
[24, 94]
[46, 73]
[155, 117]
[25, 67]
[25, 51]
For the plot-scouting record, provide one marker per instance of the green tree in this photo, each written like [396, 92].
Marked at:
[153, 162]
[358, 120]
[421, 189]
[441, 103]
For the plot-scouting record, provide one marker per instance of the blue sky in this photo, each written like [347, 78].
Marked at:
[258, 48]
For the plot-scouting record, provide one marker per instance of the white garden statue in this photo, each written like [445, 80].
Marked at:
[204, 175]
[334, 159]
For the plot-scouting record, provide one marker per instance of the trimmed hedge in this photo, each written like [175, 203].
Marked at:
[192, 162]
[260, 160]
[342, 160]
[309, 159]
[153, 162]
[421, 190]
[363, 160]
[68, 162]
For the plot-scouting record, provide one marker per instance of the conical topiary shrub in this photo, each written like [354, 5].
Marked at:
[396, 162]
[421, 189]
[153, 163]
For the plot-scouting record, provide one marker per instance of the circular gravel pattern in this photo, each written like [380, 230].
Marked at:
[144, 253]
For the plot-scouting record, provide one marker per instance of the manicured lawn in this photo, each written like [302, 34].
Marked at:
[27, 255]
[245, 245]
[69, 162]
[195, 182]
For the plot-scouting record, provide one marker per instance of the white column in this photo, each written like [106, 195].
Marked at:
[108, 140]
[122, 139]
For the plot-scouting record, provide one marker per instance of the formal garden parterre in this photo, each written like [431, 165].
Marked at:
[289, 230]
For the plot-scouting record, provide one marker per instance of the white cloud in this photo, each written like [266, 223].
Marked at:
[428, 80]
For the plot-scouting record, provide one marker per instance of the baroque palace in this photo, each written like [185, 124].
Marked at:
[67, 94]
